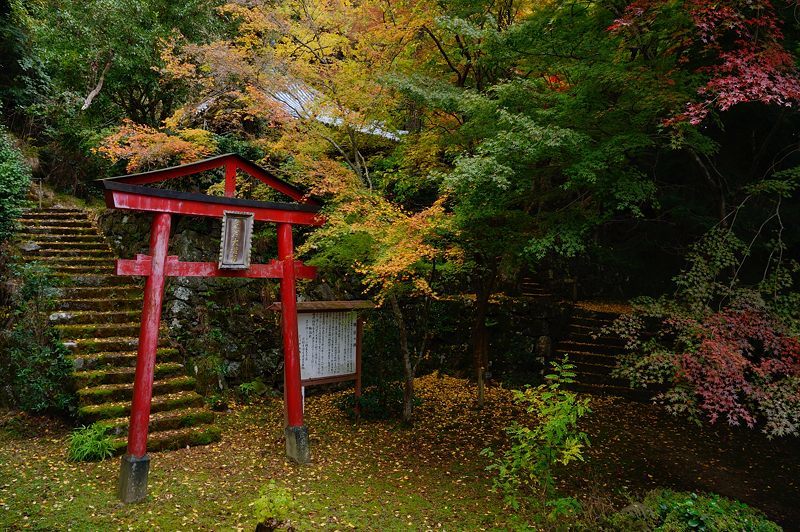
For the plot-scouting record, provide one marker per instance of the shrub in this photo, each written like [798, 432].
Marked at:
[384, 401]
[273, 507]
[37, 370]
[91, 443]
[673, 511]
[722, 351]
[15, 176]
[250, 390]
[217, 402]
[525, 471]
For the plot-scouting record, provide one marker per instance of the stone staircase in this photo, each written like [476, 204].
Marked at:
[594, 354]
[532, 289]
[98, 316]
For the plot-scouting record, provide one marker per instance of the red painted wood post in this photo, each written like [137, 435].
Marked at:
[296, 433]
[230, 179]
[135, 464]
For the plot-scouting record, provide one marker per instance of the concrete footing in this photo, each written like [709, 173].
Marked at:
[297, 444]
[133, 471]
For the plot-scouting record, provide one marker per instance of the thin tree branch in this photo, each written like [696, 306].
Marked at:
[94, 92]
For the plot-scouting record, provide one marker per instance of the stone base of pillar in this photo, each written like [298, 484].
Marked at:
[297, 444]
[132, 485]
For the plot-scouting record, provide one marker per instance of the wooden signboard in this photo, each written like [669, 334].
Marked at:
[236, 241]
[330, 340]
[328, 346]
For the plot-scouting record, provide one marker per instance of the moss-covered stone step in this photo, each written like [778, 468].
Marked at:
[588, 376]
[577, 328]
[78, 260]
[93, 279]
[120, 359]
[98, 330]
[93, 316]
[100, 268]
[110, 303]
[580, 357]
[82, 246]
[591, 346]
[61, 222]
[85, 346]
[126, 291]
[31, 231]
[50, 215]
[169, 420]
[107, 393]
[56, 208]
[47, 240]
[591, 338]
[160, 403]
[172, 440]
[123, 375]
[69, 252]
[593, 321]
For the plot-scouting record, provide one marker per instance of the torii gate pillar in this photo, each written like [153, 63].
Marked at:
[135, 464]
[296, 432]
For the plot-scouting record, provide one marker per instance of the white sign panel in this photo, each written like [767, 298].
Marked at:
[327, 344]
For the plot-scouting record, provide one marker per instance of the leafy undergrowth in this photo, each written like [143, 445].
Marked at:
[371, 475]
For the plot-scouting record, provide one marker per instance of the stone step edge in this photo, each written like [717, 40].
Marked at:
[109, 389]
[160, 403]
[172, 440]
[88, 378]
[63, 317]
[187, 417]
[164, 353]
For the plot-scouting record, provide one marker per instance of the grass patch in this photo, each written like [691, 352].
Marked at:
[91, 443]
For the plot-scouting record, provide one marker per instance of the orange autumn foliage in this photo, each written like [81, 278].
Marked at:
[145, 148]
[401, 243]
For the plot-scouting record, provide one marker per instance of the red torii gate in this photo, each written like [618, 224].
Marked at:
[127, 192]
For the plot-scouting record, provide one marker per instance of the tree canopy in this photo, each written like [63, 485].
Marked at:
[461, 145]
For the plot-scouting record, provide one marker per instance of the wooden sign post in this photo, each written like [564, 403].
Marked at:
[238, 215]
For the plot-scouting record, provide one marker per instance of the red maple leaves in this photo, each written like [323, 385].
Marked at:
[740, 47]
[743, 366]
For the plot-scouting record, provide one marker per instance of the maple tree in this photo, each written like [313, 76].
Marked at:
[145, 148]
[394, 254]
[722, 350]
[741, 43]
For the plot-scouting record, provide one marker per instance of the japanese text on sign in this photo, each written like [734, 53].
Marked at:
[327, 344]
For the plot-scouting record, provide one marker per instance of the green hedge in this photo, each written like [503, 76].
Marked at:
[15, 177]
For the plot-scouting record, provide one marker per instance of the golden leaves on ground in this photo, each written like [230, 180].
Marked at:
[368, 475]
[382, 475]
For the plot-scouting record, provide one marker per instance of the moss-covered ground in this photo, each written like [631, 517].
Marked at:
[380, 475]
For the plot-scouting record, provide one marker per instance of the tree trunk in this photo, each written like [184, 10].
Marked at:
[408, 367]
[480, 332]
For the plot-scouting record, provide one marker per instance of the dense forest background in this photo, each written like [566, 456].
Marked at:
[645, 148]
